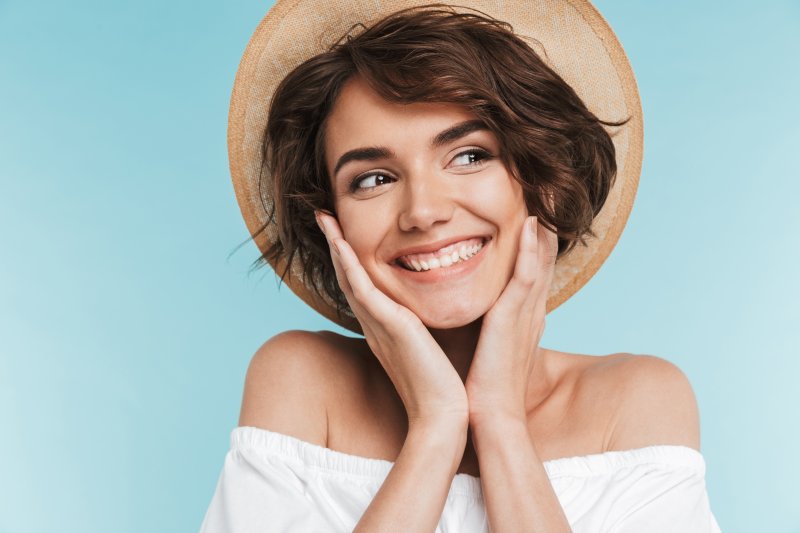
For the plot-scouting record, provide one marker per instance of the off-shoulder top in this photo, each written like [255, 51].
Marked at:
[275, 482]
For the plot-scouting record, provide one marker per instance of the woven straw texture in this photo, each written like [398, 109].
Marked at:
[570, 35]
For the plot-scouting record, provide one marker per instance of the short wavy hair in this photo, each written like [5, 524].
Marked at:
[553, 145]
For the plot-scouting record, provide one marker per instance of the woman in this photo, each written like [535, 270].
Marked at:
[423, 177]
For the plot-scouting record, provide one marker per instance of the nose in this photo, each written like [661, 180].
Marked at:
[426, 202]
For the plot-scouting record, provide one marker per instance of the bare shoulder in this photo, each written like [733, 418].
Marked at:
[289, 383]
[652, 402]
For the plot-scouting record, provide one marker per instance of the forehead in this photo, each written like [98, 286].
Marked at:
[361, 117]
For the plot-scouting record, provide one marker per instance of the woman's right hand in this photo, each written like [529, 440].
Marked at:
[425, 379]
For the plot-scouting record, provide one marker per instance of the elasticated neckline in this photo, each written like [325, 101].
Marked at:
[325, 460]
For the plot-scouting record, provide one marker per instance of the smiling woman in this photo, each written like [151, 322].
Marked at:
[425, 182]
[550, 142]
[437, 191]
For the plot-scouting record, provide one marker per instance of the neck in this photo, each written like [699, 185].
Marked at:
[459, 345]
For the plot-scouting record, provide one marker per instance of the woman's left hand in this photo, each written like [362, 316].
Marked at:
[497, 382]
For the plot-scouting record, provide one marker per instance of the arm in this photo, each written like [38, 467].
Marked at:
[516, 489]
[429, 460]
[429, 386]
[517, 492]
[656, 404]
[285, 387]
[285, 392]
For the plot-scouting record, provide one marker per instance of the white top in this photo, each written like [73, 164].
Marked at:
[275, 482]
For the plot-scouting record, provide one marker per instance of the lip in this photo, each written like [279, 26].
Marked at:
[438, 245]
[453, 272]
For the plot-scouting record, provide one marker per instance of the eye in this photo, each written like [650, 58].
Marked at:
[369, 181]
[472, 157]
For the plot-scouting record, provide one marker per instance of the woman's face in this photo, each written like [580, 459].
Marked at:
[426, 204]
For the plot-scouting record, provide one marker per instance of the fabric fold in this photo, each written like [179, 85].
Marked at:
[276, 482]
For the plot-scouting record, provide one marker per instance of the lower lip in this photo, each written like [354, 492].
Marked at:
[457, 270]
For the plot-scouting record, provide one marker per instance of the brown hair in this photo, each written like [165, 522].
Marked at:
[554, 146]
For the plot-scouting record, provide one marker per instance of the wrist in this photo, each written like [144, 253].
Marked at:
[440, 427]
[500, 433]
[497, 419]
[484, 412]
[449, 435]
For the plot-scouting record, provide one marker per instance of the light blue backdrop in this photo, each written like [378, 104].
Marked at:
[126, 328]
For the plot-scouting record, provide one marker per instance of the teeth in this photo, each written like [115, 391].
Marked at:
[442, 259]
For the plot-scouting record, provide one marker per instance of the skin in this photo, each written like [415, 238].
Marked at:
[484, 314]
[427, 195]
[450, 376]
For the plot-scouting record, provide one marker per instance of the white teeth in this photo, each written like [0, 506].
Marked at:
[444, 260]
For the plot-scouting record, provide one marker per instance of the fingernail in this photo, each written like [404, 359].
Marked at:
[532, 224]
[319, 222]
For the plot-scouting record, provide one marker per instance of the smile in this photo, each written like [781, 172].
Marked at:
[457, 252]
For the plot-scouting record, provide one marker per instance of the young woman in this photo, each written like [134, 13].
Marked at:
[422, 179]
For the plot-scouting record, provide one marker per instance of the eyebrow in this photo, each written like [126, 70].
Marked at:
[449, 135]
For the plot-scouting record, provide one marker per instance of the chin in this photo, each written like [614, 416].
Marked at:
[450, 317]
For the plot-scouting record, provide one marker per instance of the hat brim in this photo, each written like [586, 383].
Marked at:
[570, 35]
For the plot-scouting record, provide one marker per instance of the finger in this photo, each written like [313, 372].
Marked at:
[355, 275]
[526, 267]
[549, 253]
[330, 227]
[375, 302]
[362, 294]
[341, 277]
[548, 249]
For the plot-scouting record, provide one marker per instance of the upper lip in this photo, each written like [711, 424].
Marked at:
[432, 247]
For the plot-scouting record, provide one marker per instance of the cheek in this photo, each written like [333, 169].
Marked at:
[361, 228]
[499, 197]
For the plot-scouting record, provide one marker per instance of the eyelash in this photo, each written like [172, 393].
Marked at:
[483, 154]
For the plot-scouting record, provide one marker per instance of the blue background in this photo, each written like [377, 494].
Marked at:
[127, 323]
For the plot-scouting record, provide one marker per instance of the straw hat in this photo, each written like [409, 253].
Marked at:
[577, 43]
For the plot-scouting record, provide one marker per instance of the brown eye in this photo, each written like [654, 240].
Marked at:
[369, 181]
[472, 157]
